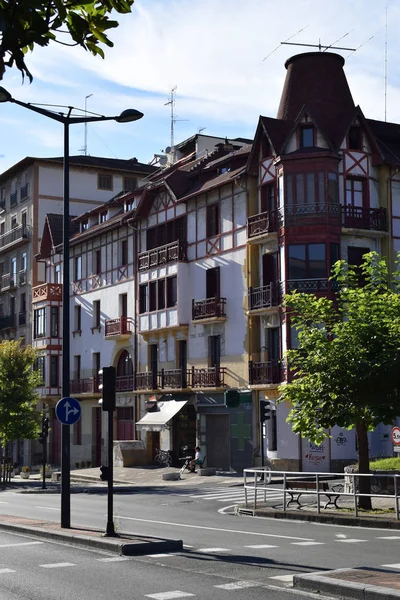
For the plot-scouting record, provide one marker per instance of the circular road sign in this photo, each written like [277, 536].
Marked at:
[396, 436]
[68, 411]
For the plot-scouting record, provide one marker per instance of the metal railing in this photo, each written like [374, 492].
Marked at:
[162, 255]
[208, 308]
[355, 217]
[181, 378]
[256, 479]
[15, 235]
[266, 296]
[265, 222]
[124, 383]
[120, 326]
[264, 372]
[88, 385]
[8, 321]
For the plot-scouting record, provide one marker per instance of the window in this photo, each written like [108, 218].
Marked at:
[84, 225]
[13, 270]
[104, 182]
[152, 296]
[97, 262]
[172, 292]
[77, 366]
[161, 294]
[166, 233]
[213, 221]
[213, 283]
[96, 363]
[39, 323]
[333, 188]
[307, 261]
[130, 184]
[40, 366]
[306, 136]
[2, 228]
[334, 254]
[268, 197]
[124, 253]
[14, 222]
[54, 321]
[54, 362]
[57, 274]
[22, 303]
[123, 305]
[23, 261]
[129, 204]
[24, 191]
[13, 198]
[214, 350]
[78, 268]
[355, 256]
[355, 192]
[96, 314]
[103, 216]
[355, 138]
[77, 318]
[143, 298]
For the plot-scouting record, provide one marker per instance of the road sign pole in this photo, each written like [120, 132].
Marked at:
[68, 411]
[110, 530]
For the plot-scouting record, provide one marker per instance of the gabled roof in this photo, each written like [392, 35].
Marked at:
[52, 237]
[115, 164]
[388, 138]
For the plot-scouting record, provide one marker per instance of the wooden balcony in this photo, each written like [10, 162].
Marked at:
[262, 224]
[208, 377]
[267, 296]
[173, 378]
[264, 373]
[371, 219]
[162, 255]
[210, 308]
[89, 385]
[124, 383]
[15, 236]
[118, 328]
[47, 291]
[146, 380]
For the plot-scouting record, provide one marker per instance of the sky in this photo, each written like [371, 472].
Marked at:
[225, 59]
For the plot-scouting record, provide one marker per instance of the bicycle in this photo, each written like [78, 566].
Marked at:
[163, 458]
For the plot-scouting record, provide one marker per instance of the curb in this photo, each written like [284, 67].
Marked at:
[124, 544]
[318, 582]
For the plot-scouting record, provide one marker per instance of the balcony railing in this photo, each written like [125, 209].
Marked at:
[162, 255]
[310, 285]
[24, 191]
[47, 291]
[265, 222]
[124, 383]
[207, 377]
[8, 281]
[15, 235]
[354, 217]
[173, 378]
[146, 380]
[13, 198]
[209, 308]
[8, 321]
[89, 385]
[181, 378]
[264, 297]
[120, 326]
[261, 373]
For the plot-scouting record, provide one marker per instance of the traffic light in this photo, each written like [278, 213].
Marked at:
[42, 438]
[232, 398]
[104, 473]
[265, 410]
[45, 426]
[108, 388]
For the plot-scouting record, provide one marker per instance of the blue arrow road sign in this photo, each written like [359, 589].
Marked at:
[68, 411]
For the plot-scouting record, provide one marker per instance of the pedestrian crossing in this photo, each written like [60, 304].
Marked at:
[233, 495]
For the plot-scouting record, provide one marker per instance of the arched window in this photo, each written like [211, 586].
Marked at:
[125, 365]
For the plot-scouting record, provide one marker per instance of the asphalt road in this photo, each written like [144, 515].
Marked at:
[219, 548]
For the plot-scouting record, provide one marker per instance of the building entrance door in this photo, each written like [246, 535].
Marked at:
[218, 442]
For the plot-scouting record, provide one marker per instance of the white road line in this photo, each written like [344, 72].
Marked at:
[187, 546]
[308, 543]
[169, 595]
[389, 537]
[262, 546]
[20, 544]
[113, 559]
[161, 555]
[273, 535]
[223, 510]
[214, 550]
[48, 507]
[394, 566]
[6, 571]
[285, 578]
[351, 541]
[58, 565]
[2, 502]
[238, 585]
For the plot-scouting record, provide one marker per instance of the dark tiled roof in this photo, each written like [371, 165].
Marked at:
[111, 223]
[388, 138]
[108, 163]
[277, 131]
[55, 223]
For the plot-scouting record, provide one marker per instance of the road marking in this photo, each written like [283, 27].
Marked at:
[351, 541]
[389, 537]
[273, 535]
[261, 546]
[309, 543]
[187, 546]
[48, 507]
[6, 571]
[286, 578]
[20, 544]
[395, 566]
[223, 510]
[57, 565]
[214, 550]
[113, 559]
[2, 502]
[161, 555]
[169, 595]
[238, 585]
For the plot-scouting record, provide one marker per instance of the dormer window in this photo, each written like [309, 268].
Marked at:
[84, 225]
[355, 138]
[128, 205]
[103, 216]
[306, 136]
[225, 169]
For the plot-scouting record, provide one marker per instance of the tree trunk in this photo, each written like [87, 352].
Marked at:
[363, 465]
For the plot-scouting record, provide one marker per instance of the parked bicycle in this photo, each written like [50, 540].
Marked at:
[163, 458]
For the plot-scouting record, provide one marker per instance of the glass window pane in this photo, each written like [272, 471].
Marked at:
[316, 261]
[300, 199]
[310, 199]
[297, 262]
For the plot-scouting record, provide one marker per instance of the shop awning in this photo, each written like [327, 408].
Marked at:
[158, 420]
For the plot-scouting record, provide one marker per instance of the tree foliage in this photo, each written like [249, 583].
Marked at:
[25, 24]
[346, 369]
[19, 418]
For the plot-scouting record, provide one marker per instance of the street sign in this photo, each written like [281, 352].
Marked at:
[68, 411]
[396, 436]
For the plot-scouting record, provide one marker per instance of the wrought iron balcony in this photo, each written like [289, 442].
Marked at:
[8, 281]
[354, 217]
[180, 378]
[47, 291]
[118, 327]
[173, 378]
[146, 380]
[261, 373]
[124, 383]
[18, 234]
[8, 321]
[162, 255]
[265, 222]
[310, 285]
[207, 377]
[89, 385]
[208, 308]
[266, 296]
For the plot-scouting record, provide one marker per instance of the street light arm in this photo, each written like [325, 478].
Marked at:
[42, 111]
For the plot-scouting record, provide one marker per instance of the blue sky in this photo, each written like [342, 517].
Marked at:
[213, 51]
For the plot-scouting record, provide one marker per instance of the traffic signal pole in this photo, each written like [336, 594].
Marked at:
[110, 530]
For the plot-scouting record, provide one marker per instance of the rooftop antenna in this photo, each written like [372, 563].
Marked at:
[319, 46]
[287, 39]
[171, 103]
[386, 35]
[85, 148]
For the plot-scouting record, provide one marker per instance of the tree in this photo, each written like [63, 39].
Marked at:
[19, 417]
[346, 369]
[25, 24]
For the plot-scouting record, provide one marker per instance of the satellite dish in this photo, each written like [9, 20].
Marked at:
[168, 149]
[162, 160]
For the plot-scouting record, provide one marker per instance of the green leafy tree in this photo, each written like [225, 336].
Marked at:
[346, 369]
[19, 417]
[25, 24]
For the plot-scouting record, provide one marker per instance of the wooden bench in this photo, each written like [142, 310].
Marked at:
[293, 489]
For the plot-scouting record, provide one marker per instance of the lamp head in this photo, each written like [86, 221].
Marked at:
[5, 96]
[128, 115]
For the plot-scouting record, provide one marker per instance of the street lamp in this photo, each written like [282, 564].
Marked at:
[67, 119]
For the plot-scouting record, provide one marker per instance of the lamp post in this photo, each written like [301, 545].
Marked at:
[67, 119]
